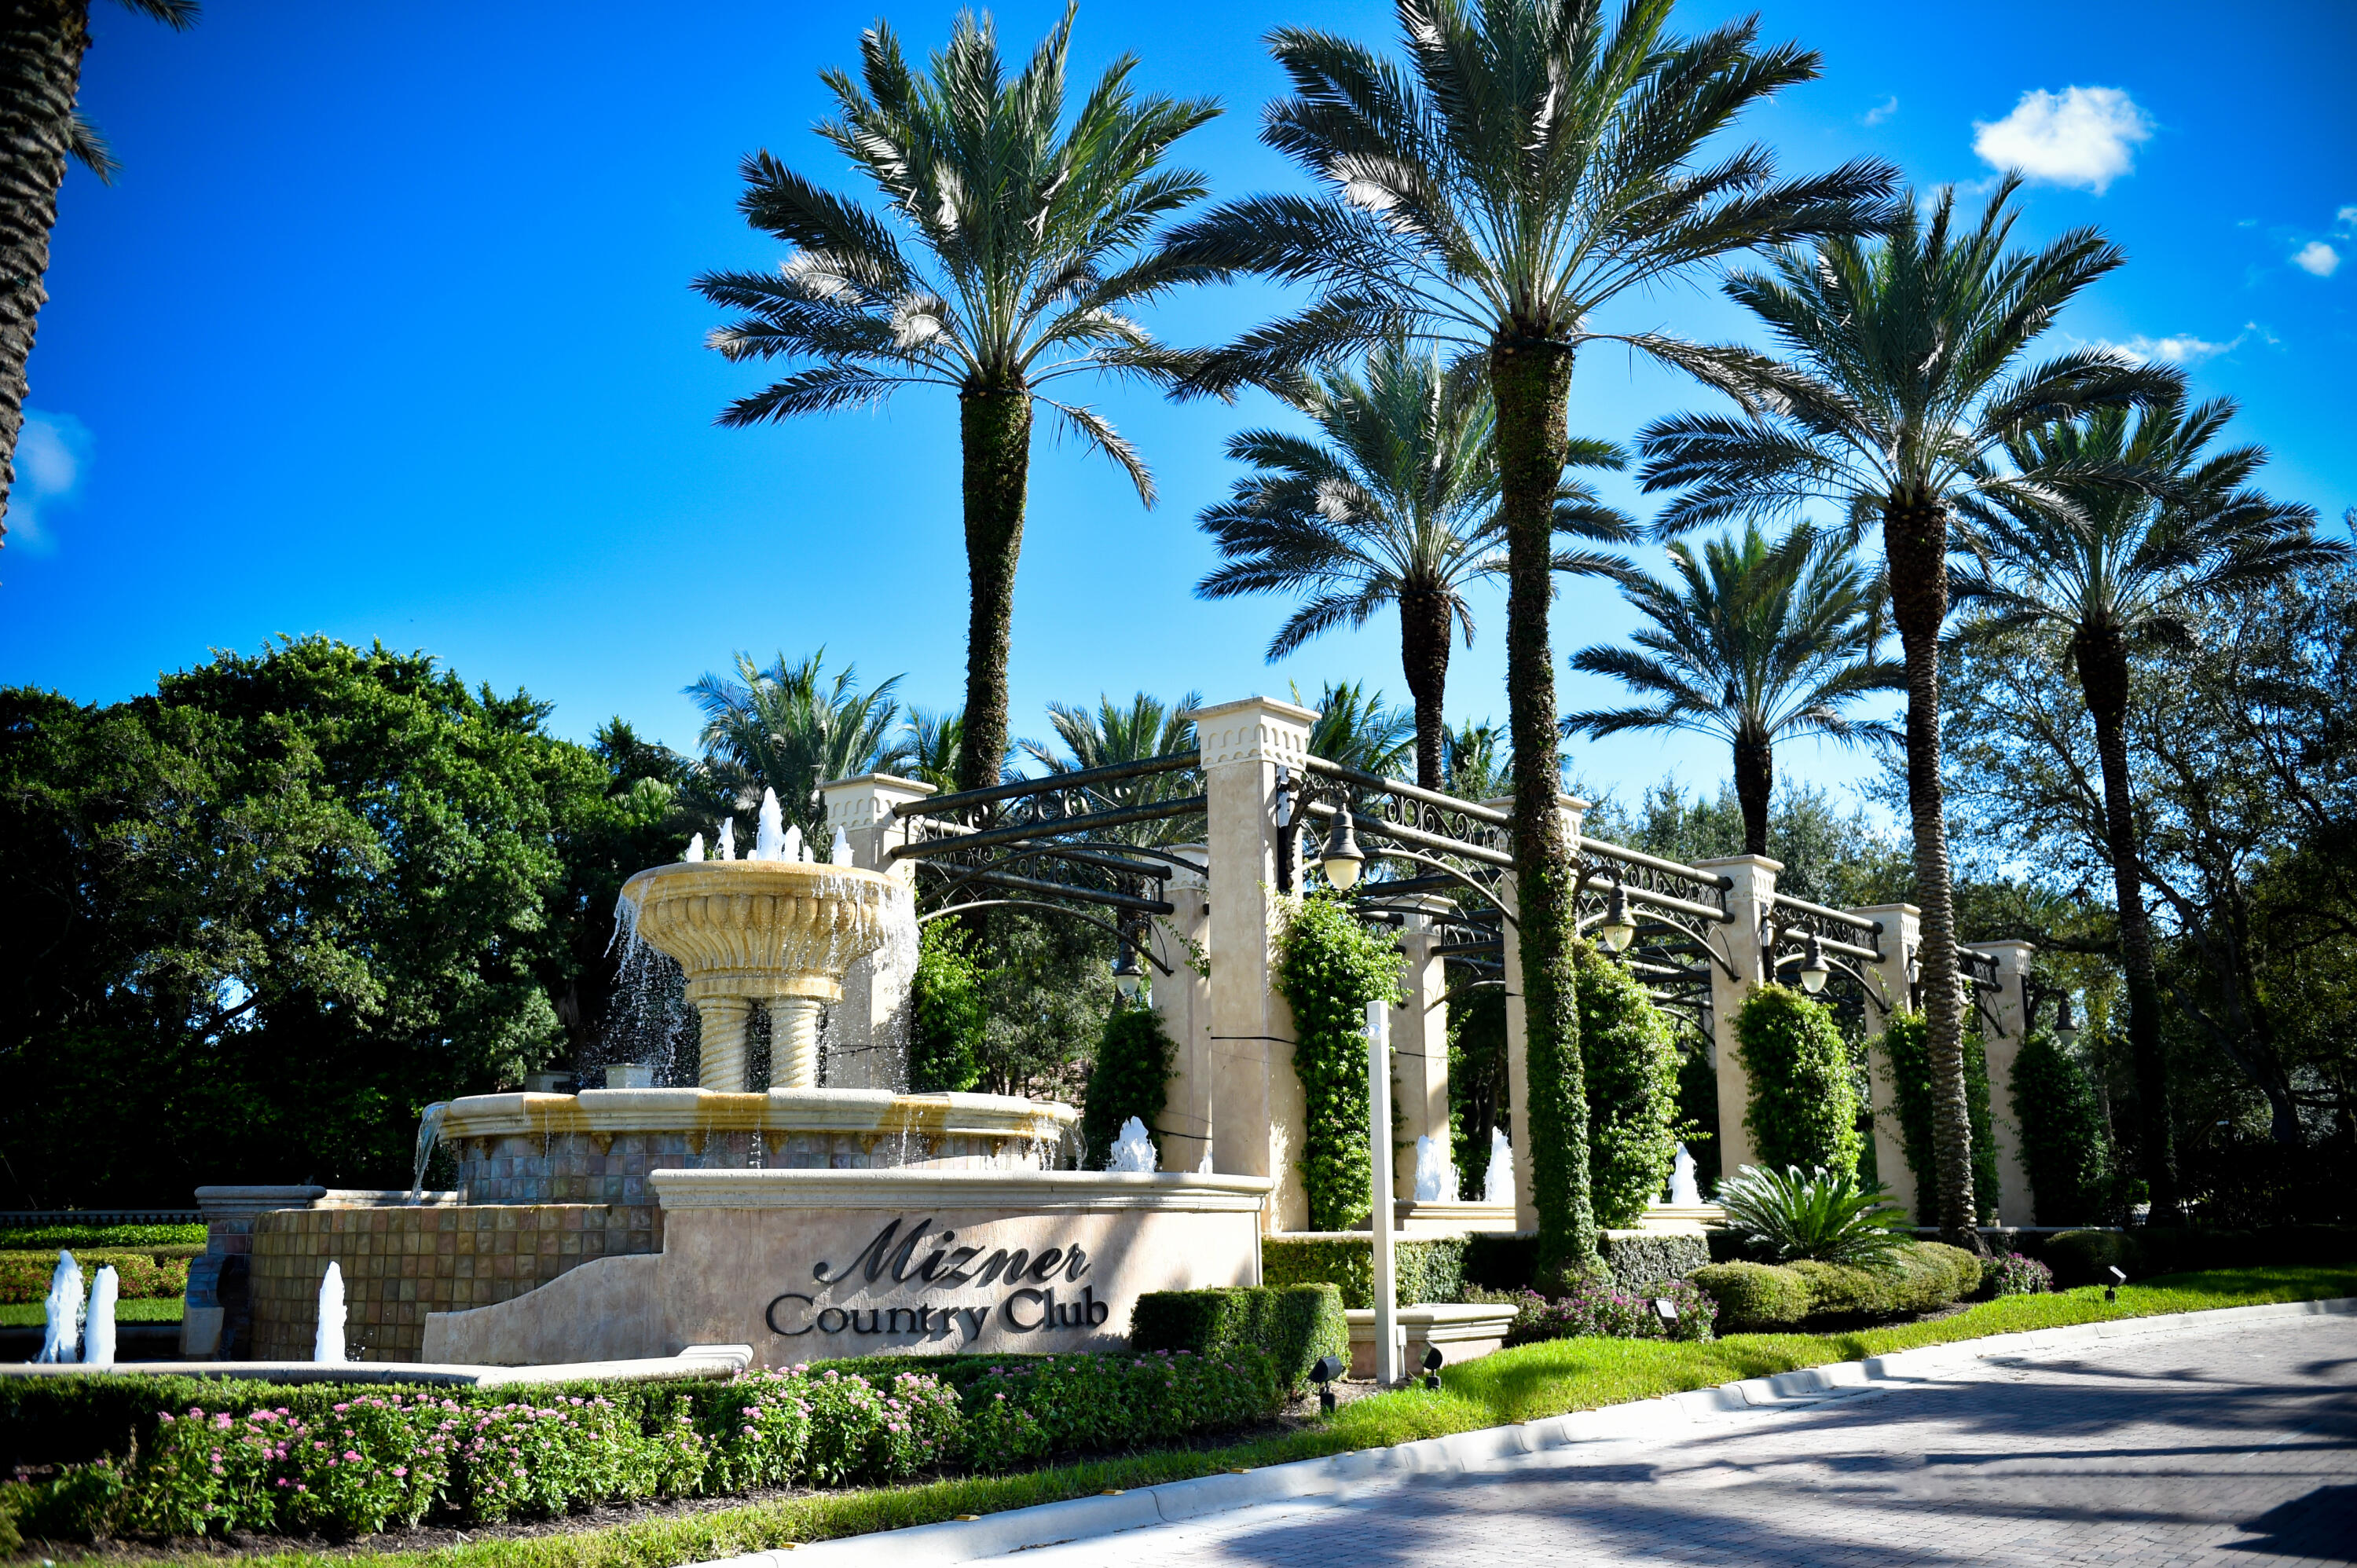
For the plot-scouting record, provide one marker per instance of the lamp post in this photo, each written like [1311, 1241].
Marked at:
[1616, 931]
[1379, 1218]
[1343, 858]
[1813, 967]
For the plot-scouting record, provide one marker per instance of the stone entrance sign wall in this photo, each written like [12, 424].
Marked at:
[805, 1265]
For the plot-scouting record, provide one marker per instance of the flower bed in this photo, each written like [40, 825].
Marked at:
[1614, 1315]
[343, 1461]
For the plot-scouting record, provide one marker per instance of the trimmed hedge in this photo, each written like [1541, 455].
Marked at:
[1906, 1049]
[1426, 1270]
[2065, 1145]
[1923, 1277]
[1508, 1260]
[947, 1014]
[1131, 1077]
[1803, 1106]
[143, 1276]
[1501, 1259]
[1632, 1091]
[159, 1238]
[1329, 967]
[2080, 1257]
[1292, 1325]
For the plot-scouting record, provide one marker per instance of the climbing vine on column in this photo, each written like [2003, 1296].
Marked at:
[1329, 967]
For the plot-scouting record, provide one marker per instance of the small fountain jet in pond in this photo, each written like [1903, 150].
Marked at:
[795, 853]
[695, 850]
[328, 1342]
[1684, 1194]
[1133, 1151]
[62, 1312]
[727, 838]
[1497, 1187]
[839, 853]
[98, 1333]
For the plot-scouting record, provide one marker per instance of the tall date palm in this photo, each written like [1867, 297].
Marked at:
[1752, 642]
[42, 43]
[1907, 368]
[1010, 244]
[1393, 501]
[1530, 162]
[2121, 567]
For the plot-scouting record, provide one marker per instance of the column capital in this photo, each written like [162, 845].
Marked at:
[1888, 914]
[2016, 948]
[1253, 729]
[867, 798]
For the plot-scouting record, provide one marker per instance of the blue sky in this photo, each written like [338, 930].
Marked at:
[384, 332]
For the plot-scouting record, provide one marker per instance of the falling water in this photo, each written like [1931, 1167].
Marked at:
[98, 1333]
[771, 840]
[62, 1312]
[1499, 1187]
[1684, 1194]
[1435, 1182]
[429, 1134]
[1134, 1150]
[695, 850]
[727, 838]
[327, 1343]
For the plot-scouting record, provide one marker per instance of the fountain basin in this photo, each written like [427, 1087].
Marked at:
[600, 1145]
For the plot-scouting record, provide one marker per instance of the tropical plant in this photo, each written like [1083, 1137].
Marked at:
[1392, 501]
[1907, 371]
[1008, 250]
[929, 747]
[947, 1014]
[1532, 161]
[1481, 762]
[2117, 567]
[791, 729]
[41, 51]
[1357, 729]
[1753, 643]
[1789, 1215]
[1113, 735]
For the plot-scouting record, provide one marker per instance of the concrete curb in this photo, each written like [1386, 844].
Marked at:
[1339, 1477]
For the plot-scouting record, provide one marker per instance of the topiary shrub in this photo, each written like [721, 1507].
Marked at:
[2064, 1144]
[1803, 1106]
[1645, 1263]
[1295, 1325]
[946, 1029]
[1906, 1049]
[1329, 967]
[1130, 1078]
[1752, 1296]
[1426, 1270]
[1632, 1090]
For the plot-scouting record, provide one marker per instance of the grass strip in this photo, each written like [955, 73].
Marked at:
[1528, 1383]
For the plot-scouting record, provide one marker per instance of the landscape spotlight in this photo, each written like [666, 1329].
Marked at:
[1432, 1359]
[2112, 1291]
[1616, 928]
[1667, 1311]
[1814, 969]
[1127, 973]
[1323, 1374]
[1343, 856]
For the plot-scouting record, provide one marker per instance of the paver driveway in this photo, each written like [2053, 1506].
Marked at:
[2237, 1446]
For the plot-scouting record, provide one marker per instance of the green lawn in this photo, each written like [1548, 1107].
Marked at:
[1524, 1384]
[18, 1313]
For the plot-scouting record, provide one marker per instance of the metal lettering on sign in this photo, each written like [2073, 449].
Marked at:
[1030, 1305]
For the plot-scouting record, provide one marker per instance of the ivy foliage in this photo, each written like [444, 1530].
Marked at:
[1632, 1090]
[2063, 1140]
[1906, 1047]
[1131, 1077]
[1803, 1105]
[1329, 967]
[947, 1013]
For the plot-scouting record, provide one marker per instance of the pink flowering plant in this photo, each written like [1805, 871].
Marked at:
[861, 1432]
[1614, 1315]
[369, 1462]
[2014, 1274]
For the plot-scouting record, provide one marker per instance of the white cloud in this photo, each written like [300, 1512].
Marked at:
[2082, 136]
[2316, 257]
[1882, 112]
[53, 452]
[2181, 348]
[2347, 217]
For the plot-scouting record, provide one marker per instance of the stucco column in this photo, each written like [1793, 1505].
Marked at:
[2016, 1203]
[1890, 982]
[1256, 1105]
[1183, 998]
[1741, 942]
[866, 1044]
[1518, 1034]
[1420, 1042]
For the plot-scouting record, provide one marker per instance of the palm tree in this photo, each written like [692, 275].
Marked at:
[790, 729]
[1907, 369]
[1393, 501]
[2116, 568]
[1022, 251]
[1112, 735]
[929, 747]
[1356, 729]
[1533, 161]
[1481, 761]
[1753, 643]
[42, 43]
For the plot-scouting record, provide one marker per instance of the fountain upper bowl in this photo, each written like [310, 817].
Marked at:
[761, 928]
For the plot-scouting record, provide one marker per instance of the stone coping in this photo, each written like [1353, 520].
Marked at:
[1438, 1323]
[1030, 1192]
[777, 1111]
[695, 1361]
[241, 1202]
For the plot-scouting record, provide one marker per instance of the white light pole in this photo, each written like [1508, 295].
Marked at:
[1388, 1369]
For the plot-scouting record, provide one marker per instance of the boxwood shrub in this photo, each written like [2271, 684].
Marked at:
[1426, 1270]
[143, 1276]
[1642, 1263]
[1754, 1295]
[1293, 1325]
[1923, 1277]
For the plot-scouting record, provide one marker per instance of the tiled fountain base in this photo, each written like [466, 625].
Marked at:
[612, 1167]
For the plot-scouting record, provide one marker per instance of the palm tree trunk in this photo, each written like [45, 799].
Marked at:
[2102, 664]
[995, 431]
[1424, 655]
[41, 45]
[1915, 545]
[1755, 781]
[1531, 381]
